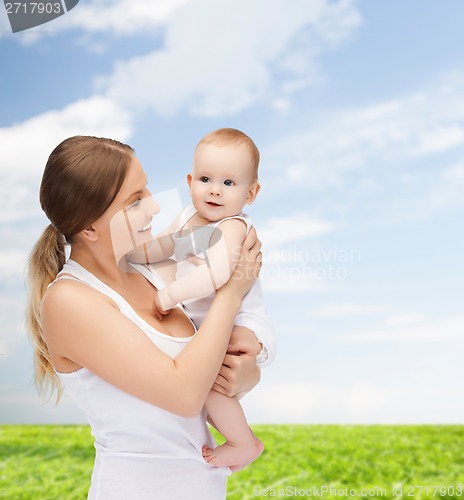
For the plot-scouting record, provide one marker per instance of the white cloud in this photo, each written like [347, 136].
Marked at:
[216, 57]
[120, 17]
[388, 134]
[454, 173]
[114, 17]
[405, 319]
[27, 145]
[292, 280]
[289, 268]
[359, 403]
[448, 188]
[417, 331]
[12, 263]
[279, 231]
[281, 104]
[350, 309]
[23, 142]
[219, 58]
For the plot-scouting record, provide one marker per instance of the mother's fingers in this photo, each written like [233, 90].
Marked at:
[250, 239]
[222, 386]
[254, 250]
[248, 266]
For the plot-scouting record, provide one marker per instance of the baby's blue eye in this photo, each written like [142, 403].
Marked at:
[204, 179]
[228, 182]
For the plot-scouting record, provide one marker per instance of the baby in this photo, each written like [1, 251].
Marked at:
[206, 239]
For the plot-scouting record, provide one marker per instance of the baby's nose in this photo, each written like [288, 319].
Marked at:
[214, 190]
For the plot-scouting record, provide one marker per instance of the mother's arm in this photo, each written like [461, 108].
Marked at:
[240, 371]
[85, 327]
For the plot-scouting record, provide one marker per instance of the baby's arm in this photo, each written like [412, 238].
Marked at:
[203, 280]
[160, 248]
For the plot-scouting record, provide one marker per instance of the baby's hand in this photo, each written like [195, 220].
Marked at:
[158, 311]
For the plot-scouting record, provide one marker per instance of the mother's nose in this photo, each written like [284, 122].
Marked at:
[151, 206]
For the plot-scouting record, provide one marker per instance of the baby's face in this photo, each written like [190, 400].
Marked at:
[222, 180]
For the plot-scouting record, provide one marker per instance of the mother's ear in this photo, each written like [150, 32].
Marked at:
[253, 192]
[89, 233]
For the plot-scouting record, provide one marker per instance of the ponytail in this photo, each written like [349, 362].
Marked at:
[45, 262]
[82, 178]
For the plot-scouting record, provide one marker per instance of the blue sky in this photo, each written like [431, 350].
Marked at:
[357, 108]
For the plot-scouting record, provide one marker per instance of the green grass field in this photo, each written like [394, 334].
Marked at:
[301, 461]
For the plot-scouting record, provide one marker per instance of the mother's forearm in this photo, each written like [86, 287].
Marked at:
[198, 364]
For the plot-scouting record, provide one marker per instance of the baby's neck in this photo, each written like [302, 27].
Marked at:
[199, 220]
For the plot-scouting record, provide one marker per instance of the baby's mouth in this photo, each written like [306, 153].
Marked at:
[212, 204]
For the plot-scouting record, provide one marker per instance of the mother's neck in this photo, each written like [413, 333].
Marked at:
[101, 263]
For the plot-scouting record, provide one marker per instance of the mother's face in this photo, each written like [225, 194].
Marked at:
[127, 222]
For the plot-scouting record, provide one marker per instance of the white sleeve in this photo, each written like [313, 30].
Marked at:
[253, 315]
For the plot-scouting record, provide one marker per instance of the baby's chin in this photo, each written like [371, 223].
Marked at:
[210, 214]
[217, 218]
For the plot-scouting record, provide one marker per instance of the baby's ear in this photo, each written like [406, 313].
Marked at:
[253, 192]
[189, 180]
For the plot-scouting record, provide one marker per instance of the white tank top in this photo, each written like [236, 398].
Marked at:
[134, 436]
[196, 243]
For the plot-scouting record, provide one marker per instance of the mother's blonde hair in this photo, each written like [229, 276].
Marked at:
[81, 179]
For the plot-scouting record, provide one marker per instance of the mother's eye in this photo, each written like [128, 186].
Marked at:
[135, 204]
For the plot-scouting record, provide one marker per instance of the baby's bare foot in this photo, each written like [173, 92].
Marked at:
[259, 448]
[235, 457]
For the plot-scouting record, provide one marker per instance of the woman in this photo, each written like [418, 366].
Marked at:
[141, 381]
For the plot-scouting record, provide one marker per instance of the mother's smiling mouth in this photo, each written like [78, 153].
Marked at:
[145, 228]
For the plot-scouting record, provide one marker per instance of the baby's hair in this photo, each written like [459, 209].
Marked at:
[223, 136]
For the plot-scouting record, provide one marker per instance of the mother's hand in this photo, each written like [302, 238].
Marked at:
[239, 373]
[247, 270]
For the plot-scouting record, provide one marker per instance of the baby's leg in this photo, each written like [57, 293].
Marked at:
[242, 446]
